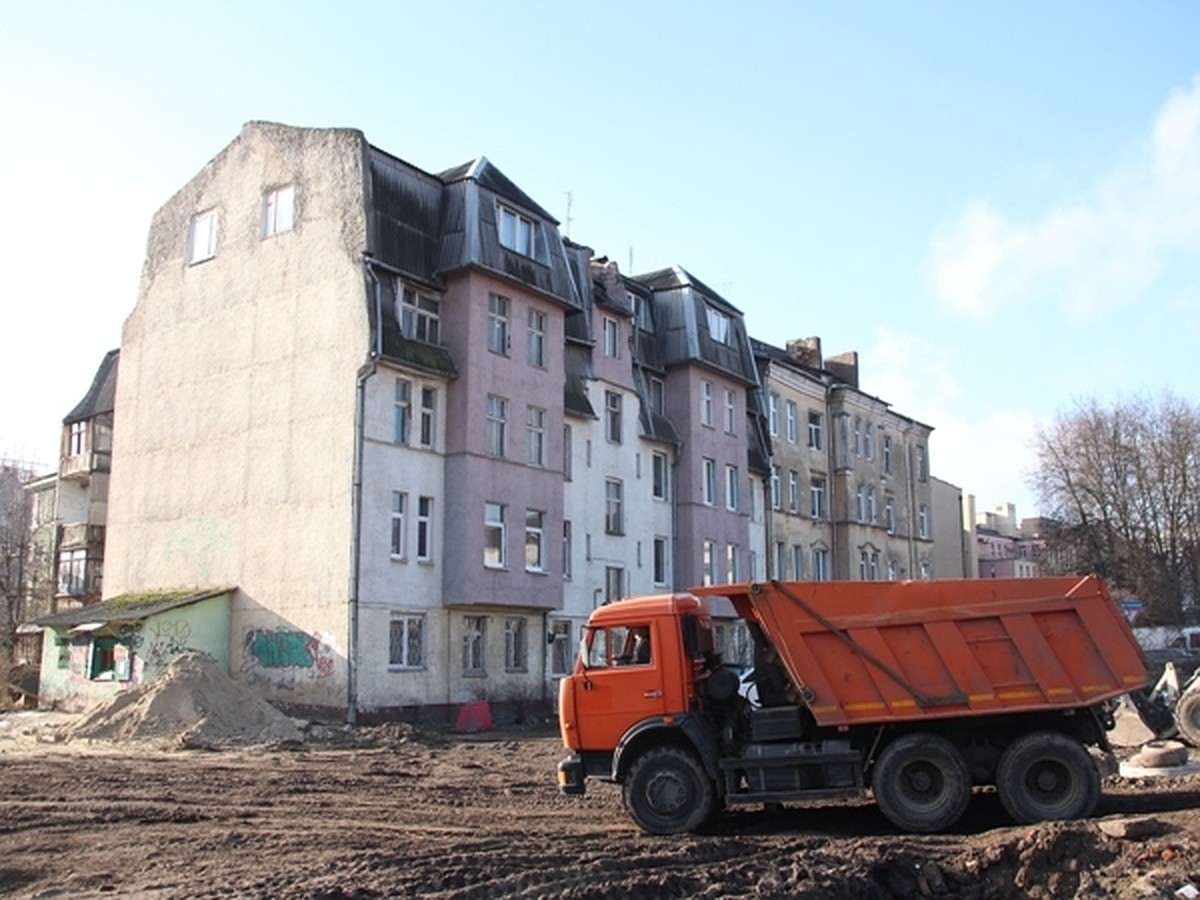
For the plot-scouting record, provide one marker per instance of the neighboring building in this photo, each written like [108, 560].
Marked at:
[422, 436]
[1004, 551]
[851, 494]
[954, 541]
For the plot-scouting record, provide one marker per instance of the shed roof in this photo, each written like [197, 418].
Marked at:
[130, 607]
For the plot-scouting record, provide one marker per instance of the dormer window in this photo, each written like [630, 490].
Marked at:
[718, 326]
[419, 316]
[516, 231]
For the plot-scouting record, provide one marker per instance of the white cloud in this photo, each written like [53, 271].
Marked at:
[1089, 255]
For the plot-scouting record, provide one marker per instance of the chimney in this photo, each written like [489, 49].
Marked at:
[805, 351]
[844, 367]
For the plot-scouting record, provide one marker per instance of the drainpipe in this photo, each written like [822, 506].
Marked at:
[369, 368]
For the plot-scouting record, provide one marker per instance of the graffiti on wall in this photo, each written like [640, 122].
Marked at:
[165, 641]
[284, 657]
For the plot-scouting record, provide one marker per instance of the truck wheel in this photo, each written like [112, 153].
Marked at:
[1187, 717]
[921, 783]
[667, 792]
[1045, 776]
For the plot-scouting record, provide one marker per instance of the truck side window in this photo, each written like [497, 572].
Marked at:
[635, 650]
[617, 646]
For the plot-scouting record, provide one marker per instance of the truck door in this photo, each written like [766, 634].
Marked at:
[621, 682]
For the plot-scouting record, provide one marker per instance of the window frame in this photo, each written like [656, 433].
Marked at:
[399, 526]
[420, 314]
[535, 540]
[516, 231]
[406, 622]
[499, 310]
[425, 508]
[535, 436]
[277, 217]
[516, 644]
[495, 432]
[535, 338]
[495, 551]
[614, 506]
[202, 236]
[474, 646]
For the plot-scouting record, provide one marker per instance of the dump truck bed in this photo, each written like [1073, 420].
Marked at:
[874, 652]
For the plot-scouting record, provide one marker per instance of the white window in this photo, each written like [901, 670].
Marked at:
[535, 541]
[424, 529]
[816, 493]
[797, 561]
[709, 563]
[428, 414]
[278, 206]
[406, 642]
[660, 561]
[869, 441]
[792, 426]
[858, 437]
[202, 236]
[862, 565]
[494, 555]
[567, 544]
[773, 414]
[535, 433]
[72, 572]
[497, 332]
[560, 647]
[780, 560]
[730, 412]
[873, 567]
[535, 340]
[568, 445]
[922, 470]
[732, 492]
[923, 521]
[776, 502]
[860, 505]
[889, 514]
[612, 338]
[420, 315]
[893, 570]
[872, 512]
[718, 326]
[709, 487]
[401, 411]
[474, 632]
[612, 417]
[660, 474]
[516, 230]
[887, 455]
[657, 403]
[497, 423]
[399, 534]
[614, 502]
[706, 403]
[516, 645]
[732, 570]
[77, 439]
[820, 558]
[794, 491]
[816, 431]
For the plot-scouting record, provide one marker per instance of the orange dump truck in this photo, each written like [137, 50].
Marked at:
[916, 691]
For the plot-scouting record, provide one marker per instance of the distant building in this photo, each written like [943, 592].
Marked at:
[1004, 552]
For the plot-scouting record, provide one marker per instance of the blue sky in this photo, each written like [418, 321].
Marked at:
[997, 205]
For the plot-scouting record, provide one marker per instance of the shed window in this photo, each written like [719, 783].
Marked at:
[111, 658]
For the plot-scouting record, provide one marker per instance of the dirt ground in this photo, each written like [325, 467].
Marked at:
[393, 812]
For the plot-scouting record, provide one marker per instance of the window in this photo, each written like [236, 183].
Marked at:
[922, 470]
[816, 494]
[862, 565]
[797, 561]
[535, 339]
[873, 566]
[568, 467]
[731, 487]
[473, 645]
[893, 570]
[567, 543]
[794, 491]
[869, 441]
[406, 642]
[77, 439]
[732, 573]
[494, 556]
[612, 338]
[858, 437]
[872, 513]
[780, 560]
[718, 326]
[402, 412]
[428, 411]
[516, 230]
[72, 572]
[706, 403]
[792, 426]
[889, 514]
[614, 522]
[776, 502]
[730, 412]
[612, 417]
[399, 541]
[926, 570]
[660, 473]
[773, 414]
[560, 647]
[614, 583]
[887, 455]
[516, 645]
[657, 403]
[820, 559]
[425, 529]
[110, 660]
[202, 237]
[420, 316]
[497, 419]
[816, 431]
[535, 435]
[708, 562]
[860, 505]
[923, 521]
[709, 487]
[278, 206]
[659, 561]
[535, 548]
[497, 332]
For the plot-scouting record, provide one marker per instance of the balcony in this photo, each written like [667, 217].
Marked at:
[80, 466]
[80, 535]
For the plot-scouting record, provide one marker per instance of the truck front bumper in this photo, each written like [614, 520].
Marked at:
[571, 775]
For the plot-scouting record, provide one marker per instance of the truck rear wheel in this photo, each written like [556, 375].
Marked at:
[921, 783]
[1187, 717]
[668, 792]
[1045, 776]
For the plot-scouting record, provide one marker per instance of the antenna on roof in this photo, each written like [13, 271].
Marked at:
[568, 193]
[630, 260]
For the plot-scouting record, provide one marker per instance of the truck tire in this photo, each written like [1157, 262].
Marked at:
[1045, 776]
[921, 783]
[1187, 717]
[668, 792]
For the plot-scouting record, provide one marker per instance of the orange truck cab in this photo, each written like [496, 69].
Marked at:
[913, 692]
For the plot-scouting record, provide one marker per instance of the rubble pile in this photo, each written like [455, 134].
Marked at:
[192, 705]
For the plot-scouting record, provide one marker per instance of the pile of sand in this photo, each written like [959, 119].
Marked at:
[193, 704]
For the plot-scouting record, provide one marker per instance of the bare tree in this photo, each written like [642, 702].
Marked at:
[1124, 481]
[24, 563]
